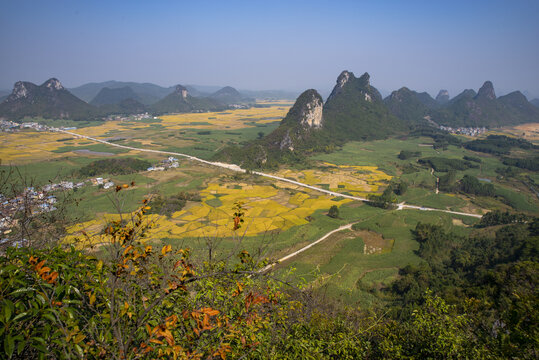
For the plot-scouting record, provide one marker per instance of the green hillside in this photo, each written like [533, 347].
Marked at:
[409, 105]
[228, 95]
[148, 93]
[179, 101]
[355, 111]
[484, 109]
[114, 96]
[49, 100]
[300, 133]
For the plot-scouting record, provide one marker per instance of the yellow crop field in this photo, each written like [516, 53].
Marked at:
[357, 180]
[236, 119]
[26, 146]
[33, 146]
[266, 208]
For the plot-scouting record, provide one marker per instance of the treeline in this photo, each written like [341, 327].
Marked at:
[497, 217]
[499, 272]
[441, 138]
[523, 163]
[387, 199]
[115, 166]
[441, 164]
[471, 185]
[168, 205]
[468, 184]
[498, 144]
[407, 154]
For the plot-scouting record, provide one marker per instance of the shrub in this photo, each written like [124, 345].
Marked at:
[333, 212]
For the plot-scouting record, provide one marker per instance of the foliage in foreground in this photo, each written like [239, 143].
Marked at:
[137, 302]
[65, 304]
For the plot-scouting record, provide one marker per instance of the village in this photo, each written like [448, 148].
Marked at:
[36, 201]
[169, 163]
[469, 131]
[42, 200]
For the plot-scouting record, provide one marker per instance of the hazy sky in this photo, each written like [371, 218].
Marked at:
[425, 45]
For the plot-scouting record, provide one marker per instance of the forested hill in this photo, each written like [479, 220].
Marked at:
[410, 106]
[114, 96]
[300, 132]
[49, 100]
[470, 109]
[354, 111]
[180, 101]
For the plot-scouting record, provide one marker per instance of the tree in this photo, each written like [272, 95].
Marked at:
[333, 212]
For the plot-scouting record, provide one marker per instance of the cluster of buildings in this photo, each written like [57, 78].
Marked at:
[239, 106]
[11, 126]
[469, 131]
[138, 117]
[169, 163]
[37, 201]
[99, 181]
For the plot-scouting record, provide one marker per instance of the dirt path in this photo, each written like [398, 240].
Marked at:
[297, 252]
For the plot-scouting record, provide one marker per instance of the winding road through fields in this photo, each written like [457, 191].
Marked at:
[234, 167]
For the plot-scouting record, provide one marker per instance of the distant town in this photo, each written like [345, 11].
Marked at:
[12, 126]
[42, 200]
[469, 131]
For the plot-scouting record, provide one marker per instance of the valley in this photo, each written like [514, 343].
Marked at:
[285, 208]
[216, 180]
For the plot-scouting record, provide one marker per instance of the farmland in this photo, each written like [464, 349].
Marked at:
[280, 217]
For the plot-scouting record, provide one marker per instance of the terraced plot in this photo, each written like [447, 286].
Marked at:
[348, 179]
[236, 119]
[267, 208]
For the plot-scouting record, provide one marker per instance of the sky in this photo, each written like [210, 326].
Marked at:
[290, 45]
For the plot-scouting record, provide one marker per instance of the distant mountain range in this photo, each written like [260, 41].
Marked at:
[355, 110]
[52, 100]
[49, 100]
[148, 93]
[471, 109]
[151, 93]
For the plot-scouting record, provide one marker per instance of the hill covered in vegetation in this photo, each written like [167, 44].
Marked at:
[410, 105]
[49, 100]
[470, 109]
[108, 96]
[179, 101]
[354, 111]
[299, 133]
[228, 95]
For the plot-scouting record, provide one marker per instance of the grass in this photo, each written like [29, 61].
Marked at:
[341, 269]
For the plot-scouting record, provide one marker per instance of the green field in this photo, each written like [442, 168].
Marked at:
[354, 265]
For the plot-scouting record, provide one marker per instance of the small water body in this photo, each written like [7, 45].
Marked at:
[483, 179]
